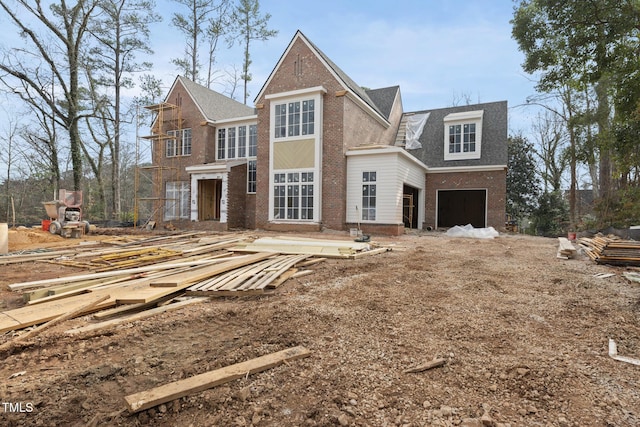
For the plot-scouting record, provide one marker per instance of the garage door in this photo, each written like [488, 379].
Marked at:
[462, 207]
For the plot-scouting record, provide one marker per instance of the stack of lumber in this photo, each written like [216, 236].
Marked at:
[300, 245]
[253, 279]
[611, 250]
[566, 249]
[128, 276]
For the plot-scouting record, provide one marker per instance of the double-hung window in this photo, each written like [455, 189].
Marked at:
[463, 135]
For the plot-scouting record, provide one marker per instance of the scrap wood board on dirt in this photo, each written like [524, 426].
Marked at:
[609, 250]
[250, 280]
[133, 317]
[175, 390]
[299, 245]
[142, 291]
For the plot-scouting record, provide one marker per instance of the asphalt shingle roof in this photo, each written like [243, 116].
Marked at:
[214, 105]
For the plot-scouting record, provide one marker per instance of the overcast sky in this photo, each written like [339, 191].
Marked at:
[440, 52]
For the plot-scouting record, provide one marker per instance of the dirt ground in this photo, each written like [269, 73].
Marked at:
[524, 335]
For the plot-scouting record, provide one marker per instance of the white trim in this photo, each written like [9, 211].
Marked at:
[488, 168]
[465, 115]
[215, 167]
[377, 150]
[464, 118]
[317, 95]
[297, 93]
[253, 119]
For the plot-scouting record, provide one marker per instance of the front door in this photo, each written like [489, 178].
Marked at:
[209, 196]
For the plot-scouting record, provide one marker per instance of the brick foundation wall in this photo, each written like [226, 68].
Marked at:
[250, 211]
[379, 229]
[495, 182]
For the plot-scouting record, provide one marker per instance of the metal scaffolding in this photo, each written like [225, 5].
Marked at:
[148, 208]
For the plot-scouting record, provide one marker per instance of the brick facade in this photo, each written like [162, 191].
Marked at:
[236, 198]
[349, 120]
[345, 124]
[493, 181]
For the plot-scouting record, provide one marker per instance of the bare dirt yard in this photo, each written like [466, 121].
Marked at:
[524, 336]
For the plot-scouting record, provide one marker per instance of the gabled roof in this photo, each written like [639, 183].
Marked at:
[340, 75]
[214, 106]
[384, 98]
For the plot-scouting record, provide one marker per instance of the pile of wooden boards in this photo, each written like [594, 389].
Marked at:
[130, 275]
[611, 250]
[300, 245]
[566, 249]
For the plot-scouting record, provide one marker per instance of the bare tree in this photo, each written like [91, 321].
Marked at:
[55, 38]
[550, 134]
[122, 31]
[249, 25]
[217, 28]
[192, 25]
[8, 154]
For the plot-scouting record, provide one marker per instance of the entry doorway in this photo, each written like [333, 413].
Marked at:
[462, 207]
[209, 197]
[410, 206]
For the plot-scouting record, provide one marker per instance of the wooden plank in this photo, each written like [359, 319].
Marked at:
[138, 316]
[302, 273]
[69, 279]
[61, 318]
[175, 390]
[202, 273]
[367, 253]
[425, 366]
[34, 314]
[223, 294]
[128, 309]
[159, 288]
[282, 278]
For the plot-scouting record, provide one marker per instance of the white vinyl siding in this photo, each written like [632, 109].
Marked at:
[392, 172]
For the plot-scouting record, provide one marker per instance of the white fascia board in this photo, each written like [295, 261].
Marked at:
[489, 168]
[252, 118]
[214, 167]
[297, 93]
[384, 151]
[466, 115]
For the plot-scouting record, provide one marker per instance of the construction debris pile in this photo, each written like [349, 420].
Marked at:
[611, 250]
[151, 275]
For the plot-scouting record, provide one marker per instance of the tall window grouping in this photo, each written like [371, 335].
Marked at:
[293, 195]
[368, 196]
[240, 142]
[177, 200]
